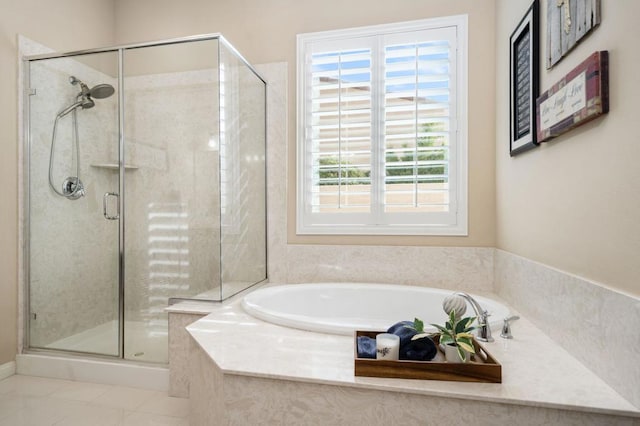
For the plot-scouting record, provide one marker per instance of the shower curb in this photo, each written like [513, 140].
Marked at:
[93, 371]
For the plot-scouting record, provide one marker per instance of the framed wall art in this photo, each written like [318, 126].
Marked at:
[568, 21]
[579, 97]
[523, 82]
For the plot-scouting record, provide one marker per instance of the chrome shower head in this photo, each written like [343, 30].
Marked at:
[83, 100]
[99, 91]
[102, 91]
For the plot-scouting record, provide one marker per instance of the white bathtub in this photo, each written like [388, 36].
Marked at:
[341, 308]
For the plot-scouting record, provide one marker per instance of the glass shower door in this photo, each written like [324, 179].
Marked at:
[172, 198]
[72, 192]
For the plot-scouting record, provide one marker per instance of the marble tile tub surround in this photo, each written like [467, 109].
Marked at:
[548, 380]
[277, 402]
[180, 316]
[458, 268]
[599, 326]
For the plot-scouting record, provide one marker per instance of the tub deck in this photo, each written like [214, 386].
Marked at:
[536, 372]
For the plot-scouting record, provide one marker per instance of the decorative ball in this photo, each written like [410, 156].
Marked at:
[454, 302]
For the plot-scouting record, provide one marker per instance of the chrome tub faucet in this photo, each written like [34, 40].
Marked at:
[484, 330]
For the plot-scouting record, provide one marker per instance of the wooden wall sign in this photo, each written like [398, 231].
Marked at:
[579, 97]
[567, 22]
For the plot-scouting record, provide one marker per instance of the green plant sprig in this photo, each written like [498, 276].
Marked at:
[455, 332]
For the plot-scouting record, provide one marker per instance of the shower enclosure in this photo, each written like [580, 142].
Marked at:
[144, 181]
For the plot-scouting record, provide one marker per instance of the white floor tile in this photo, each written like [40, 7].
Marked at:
[94, 415]
[32, 386]
[166, 406]
[9, 404]
[146, 419]
[34, 401]
[79, 391]
[127, 398]
[40, 411]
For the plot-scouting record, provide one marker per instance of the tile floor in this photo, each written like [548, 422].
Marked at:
[35, 401]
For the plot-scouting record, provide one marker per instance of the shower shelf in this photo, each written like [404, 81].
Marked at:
[114, 166]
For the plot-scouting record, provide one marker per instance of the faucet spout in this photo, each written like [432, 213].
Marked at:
[484, 330]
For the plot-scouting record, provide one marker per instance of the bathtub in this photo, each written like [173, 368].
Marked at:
[341, 308]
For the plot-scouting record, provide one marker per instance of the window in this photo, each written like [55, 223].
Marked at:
[382, 129]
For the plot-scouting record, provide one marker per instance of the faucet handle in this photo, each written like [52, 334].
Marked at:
[484, 330]
[506, 327]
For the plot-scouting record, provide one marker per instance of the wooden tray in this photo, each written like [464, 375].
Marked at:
[483, 367]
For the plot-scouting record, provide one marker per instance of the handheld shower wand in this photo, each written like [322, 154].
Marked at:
[72, 187]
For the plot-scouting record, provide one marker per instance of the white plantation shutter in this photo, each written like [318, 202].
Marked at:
[381, 147]
[339, 129]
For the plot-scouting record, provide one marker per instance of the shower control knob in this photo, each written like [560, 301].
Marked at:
[72, 188]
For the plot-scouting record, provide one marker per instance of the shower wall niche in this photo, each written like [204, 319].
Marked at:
[174, 204]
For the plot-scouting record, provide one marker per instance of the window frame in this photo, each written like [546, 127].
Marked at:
[408, 223]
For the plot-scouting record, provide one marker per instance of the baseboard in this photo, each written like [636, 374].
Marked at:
[7, 370]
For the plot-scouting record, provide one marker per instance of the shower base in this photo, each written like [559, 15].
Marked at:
[145, 341]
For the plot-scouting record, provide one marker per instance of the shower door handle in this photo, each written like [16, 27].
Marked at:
[105, 198]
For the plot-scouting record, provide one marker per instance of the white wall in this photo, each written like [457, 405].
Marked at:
[574, 203]
[64, 24]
